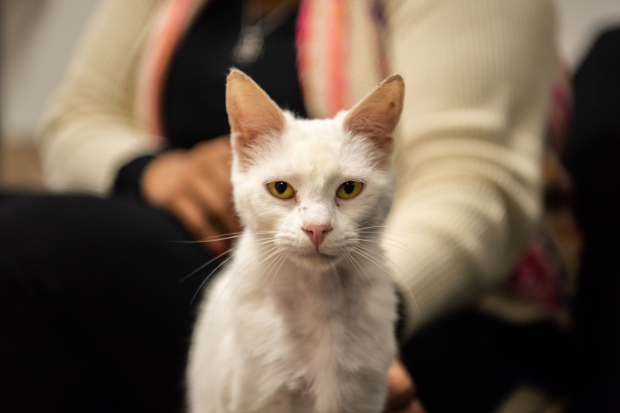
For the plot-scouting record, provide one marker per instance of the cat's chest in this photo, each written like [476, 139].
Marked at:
[304, 332]
[297, 342]
[305, 323]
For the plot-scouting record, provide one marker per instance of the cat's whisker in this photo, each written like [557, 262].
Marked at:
[241, 271]
[268, 268]
[377, 255]
[369, 250]
[356, 264]
[382, 232]
[276, 273]
[391, 233]
[206, 263]
[218, 257]
[363, 223]
[230, 235]
[239, 284]
[204, 241]
[388, 241]
[269, 251]
[213, 239]
[401, 281]
[207, 277]
[384, 236]
[259, 244]
[233, 236]
[212, 272]
[403, 247]
[369, 258]
[371, 227]
[266, 241]
[375, 260]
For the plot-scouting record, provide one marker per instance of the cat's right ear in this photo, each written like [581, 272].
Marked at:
[251, 112]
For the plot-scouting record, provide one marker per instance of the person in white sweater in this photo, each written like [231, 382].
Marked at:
[139, 116]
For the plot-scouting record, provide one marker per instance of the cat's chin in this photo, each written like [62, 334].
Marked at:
[316, 258]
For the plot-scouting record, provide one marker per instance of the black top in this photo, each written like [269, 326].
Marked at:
[194, 95]
[193, 105]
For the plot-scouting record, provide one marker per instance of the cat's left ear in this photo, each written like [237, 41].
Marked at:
[251, 112]
[377, 115]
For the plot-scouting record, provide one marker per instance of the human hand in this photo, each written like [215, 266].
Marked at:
[402, 394]
[195, 187]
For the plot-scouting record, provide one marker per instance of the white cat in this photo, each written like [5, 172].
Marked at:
[302, 320]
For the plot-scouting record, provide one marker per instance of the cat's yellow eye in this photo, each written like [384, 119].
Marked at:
[281, 189]
[349, 189]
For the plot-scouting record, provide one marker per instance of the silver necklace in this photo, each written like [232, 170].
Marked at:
[254, 31]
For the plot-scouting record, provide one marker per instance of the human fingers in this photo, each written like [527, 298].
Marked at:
[217, 204]
[213, 183]
[402, 394]
[170, 182]
[162, 180]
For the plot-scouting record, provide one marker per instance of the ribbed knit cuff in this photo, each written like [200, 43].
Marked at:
[127, 182]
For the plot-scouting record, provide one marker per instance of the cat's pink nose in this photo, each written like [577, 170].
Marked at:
[317, 233]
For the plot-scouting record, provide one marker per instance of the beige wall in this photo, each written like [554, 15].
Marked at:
[580, 21]
[38, 37]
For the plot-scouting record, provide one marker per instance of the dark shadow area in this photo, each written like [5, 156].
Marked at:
[593, 157]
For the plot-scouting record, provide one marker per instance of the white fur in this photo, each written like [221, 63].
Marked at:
[284, 328]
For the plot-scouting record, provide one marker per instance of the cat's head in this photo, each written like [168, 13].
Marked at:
[318, 187]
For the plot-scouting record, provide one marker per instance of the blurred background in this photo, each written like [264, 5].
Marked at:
[38, 38]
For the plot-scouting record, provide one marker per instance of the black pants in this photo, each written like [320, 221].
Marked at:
[593, 157]
[93, 316]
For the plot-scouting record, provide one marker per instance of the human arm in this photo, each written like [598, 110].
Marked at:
[468, 145]
[94, 138]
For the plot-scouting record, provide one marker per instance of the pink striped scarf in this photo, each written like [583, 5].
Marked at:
[323, 42]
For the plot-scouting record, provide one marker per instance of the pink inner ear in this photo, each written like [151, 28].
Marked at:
[251, 113]
[376, 116]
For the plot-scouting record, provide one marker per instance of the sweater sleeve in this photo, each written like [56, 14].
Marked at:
[477, 75]
[92, 128]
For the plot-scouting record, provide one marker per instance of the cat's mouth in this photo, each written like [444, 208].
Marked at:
[317, 256]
